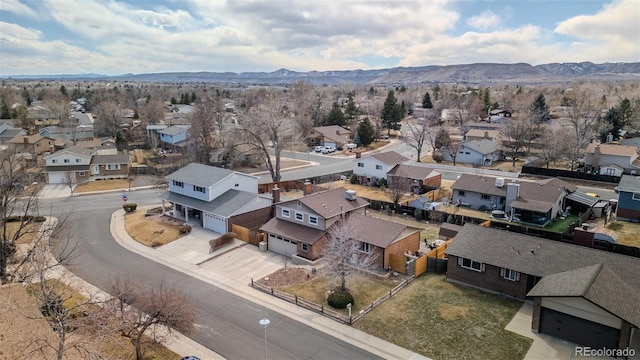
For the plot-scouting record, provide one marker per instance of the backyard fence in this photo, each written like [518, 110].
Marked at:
[326, 311]
[247, 235]
[532, 170]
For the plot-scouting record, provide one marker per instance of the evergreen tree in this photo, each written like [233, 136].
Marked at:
[539, 110]
[426, 101]
[4, 112]
[372, 91]
[486, 100]
[436, 92]
[335, 116]
[391, 112]
[351, 110]
[63, 90]
[173, 101]
[365, 132]
[193, 97]
[625, 112]
[614, 119]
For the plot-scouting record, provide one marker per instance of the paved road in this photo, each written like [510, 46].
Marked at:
[227, 324]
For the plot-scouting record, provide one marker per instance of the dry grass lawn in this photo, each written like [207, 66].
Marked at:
[102, 185]
[28, 234]
[150, 232]
[628, 233]
[442, 320]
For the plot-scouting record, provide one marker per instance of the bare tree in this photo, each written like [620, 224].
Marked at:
[203, 130]
[144, 313]
[417, 136]
[584, 116]
[344, 253]
[464, 108]
[268, 128]
[396, 190]
[153, 110]
[555, 144]
[110, 115]
[453, 149]
[69, 179]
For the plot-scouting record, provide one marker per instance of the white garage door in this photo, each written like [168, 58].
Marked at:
[215, 223]
[57, 177]
[282, 246]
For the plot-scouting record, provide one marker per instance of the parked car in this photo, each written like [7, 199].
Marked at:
[189, 358]
[351, 146]
[319, 148]
[328, 149]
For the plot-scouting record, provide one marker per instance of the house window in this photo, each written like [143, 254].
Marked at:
[467, 153]
[54, 161]
[81, 173]
[470, 264]
[509, 274]
[299, 216]
[113, 166]
[286, 213]
[635, 196]
[363, 246]
[360, 164]
[486, 197]
[198, 189]
[378, 167]
[66, 161]
[178, 183]
[313, 220]
[305, 247]
[461, 192]
[78, 160]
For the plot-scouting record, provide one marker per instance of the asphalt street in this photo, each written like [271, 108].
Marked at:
[226, 323]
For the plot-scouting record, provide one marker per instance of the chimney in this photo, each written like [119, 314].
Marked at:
[513, 191]
[486, 134]
[275, 193]
[358, 154]
[25, 140]
[596, 157]
[307, 188]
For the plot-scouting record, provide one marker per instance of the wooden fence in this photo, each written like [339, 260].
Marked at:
[326, 311]
[438, 252]
[398, 263]
[421, 265]
[247, 235]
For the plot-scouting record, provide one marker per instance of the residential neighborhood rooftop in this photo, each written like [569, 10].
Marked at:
[389, 157]
[413, 171]
[202, 175]
[380, 233]
[612, 149]
[629, 183]
[331, 203]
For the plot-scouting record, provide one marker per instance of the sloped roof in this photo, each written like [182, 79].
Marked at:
[378, 232]
[174, 130]
[480, 184]
[202, 175]
[293, 231]
[331, 203]
[110, 159]
[582, 198]
[612, 149]
[629, 183]
[228, 204]
[597, 283]
[31, 139]
[389, 157]
[537, 256]
[412, 171]
[334, 132]
[482, 146]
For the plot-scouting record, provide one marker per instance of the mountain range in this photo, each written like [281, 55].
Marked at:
[479, 73]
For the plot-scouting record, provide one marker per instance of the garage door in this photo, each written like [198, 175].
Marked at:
[282, 246]
[577, 330]
[57, 177]
[215, 223]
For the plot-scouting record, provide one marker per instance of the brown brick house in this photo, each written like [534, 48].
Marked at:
[561, 278]
[33, 144]
[110, 166]
[418, 176]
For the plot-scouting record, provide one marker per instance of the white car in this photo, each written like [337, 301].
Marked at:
[328, 149]
[319, 148]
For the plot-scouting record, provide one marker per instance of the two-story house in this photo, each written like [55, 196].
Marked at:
[300, 227]
[33, 144]
[371, 168]
[628, 207]
[215, 196]
[611, 159]
[418, 176]
[70, 165]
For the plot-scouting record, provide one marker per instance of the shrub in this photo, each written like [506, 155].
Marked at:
[339, 299]
[129, 207]
[353, 179]
[437, 156]
[185, 229]
[382, 183]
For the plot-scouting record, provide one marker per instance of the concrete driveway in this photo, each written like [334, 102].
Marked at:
[51, 191]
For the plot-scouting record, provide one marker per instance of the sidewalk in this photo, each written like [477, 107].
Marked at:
[233, 271]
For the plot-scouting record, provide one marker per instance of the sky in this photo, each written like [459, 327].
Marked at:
[112, 37]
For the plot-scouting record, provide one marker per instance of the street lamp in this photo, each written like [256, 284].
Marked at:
[264, 323]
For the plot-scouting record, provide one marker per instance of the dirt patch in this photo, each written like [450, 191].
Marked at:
[452, 312]
[286, 277]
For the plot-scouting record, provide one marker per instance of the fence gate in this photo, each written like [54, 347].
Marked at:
[421, 265]
[398, 263]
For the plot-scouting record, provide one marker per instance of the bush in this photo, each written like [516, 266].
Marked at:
[129, 207]
[437, 156]
[353, 179]
[382, 183]
[185, 229]
[339, 299]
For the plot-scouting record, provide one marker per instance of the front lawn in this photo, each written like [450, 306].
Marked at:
[442, 320]
[150, 231]
[102, 185]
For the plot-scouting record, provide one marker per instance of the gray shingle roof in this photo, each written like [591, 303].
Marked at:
[224, 205]
[629, 183]
[596, 283]
[332, 203]
[483, 146]
[537, 256]
[380, 233]
[289, 230]
[389, 157]
[174, 130]
[201, 175]
[412, 171]
[110, 159]
[480, 184]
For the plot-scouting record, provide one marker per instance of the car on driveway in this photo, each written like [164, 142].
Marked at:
[319, 148]
[328, 149]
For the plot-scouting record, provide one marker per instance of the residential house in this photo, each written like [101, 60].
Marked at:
[216, 197]
[477, 152]
[8, 132]
[68, 133]
[371, 168]
[479, 134]
[110, 166]
[628, 207]
[333, 135]
[535, 203]
[33, 144]
[418, 177]
[635, 141]
[175, 135]
[300, 228]
[611, 159]
[498, 116]
[68, 166]
[580, 294]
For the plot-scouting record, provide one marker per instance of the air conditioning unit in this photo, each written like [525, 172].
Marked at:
[350, 195]
[499, 182]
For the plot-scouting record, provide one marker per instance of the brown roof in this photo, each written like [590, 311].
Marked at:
[611, 149]
[378, 232]
[334, 132]
[537, 256]
[480, 184]
[596, 283]
[389, 157]
[110, 159]
[292, 231]
[412, 171]
[449, 230]
[332, 203]
[31, 139]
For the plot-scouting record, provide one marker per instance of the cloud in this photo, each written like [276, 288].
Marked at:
[18, 8]
[485, 21]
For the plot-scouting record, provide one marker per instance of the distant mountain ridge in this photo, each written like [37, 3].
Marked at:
[480, 73]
